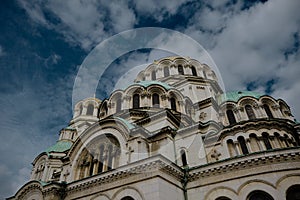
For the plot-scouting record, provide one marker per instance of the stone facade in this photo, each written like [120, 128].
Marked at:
[172, 134]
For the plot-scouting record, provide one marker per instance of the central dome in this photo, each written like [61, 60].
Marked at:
[175, 67]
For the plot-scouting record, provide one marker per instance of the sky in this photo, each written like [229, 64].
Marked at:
[255, 45]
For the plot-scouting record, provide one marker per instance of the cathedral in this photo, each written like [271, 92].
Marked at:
[172, 134]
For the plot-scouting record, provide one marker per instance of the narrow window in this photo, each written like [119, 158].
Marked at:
[250, 112]
[90, 109]
[119, 104]
[231, 148]
[223, 198]
[80, 109]
[91, 165]
[268, 111]
[183, 158]
[173, 103]
[293, 193]
[100, 164]
[155, 100]
[180, 70]
[166, 71]
[194, 72]
[243, 146]
[110, 157]
[204, 74]
[136, 101]
[259, 195]
[230, 116]
[127, 198]
[105, 108]
[153, 75]
[266, 140]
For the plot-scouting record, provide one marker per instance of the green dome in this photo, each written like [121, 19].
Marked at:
[236, 95]
[59, 146]
[148, 83]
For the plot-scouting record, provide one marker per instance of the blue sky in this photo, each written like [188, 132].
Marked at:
[255, 45]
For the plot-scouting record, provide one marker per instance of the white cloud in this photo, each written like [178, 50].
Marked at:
[157, 8]
[251, 45]
[83, 23]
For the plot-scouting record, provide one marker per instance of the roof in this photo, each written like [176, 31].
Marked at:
[148, 83]
[59, 146]
[127, 123]
[236, 95]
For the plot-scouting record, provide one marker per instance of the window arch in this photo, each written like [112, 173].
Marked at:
[100, 155]
[231, 148]
[204, 74]
[259, 195]
[80, 109]
[105, 108]
[183, 158]
[243, 145]
[266, 139]
[155, 100]
[231, 117]
[223, 198]
[250, 112]
[173, 103]
[119, 104]
[180, 70]
[268, 111]
[153, 75]
[194, 72]
[254, 142]
[293, 193]
[136, 101]
[166, 71]
[90, 109]
[127, 198]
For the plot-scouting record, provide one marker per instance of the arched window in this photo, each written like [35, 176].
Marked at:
[230, 116]
[105, 108]
[183, 158]
[155, 100]
[180, 70]
[173, 103]
[110, 157]
[259, 195]
[204, 74]
[266, 140]
[243, 145]
[90, 110]
[153, 75]
[250, 112]
[101, 154]
[254, 142]
[293, 193]
[166, 71]
[223, 198]
[119, 104]
[136, 101]
[231, 148]
[127, 198]
[268, 111]
[194, 72]
[80, 109]
[100, 164]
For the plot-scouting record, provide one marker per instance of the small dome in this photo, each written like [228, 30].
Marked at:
[60, 146]
[236, 95]
[148, 83]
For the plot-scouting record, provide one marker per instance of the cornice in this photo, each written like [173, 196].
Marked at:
[257, 124]
[149, 165]
[248, 161]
